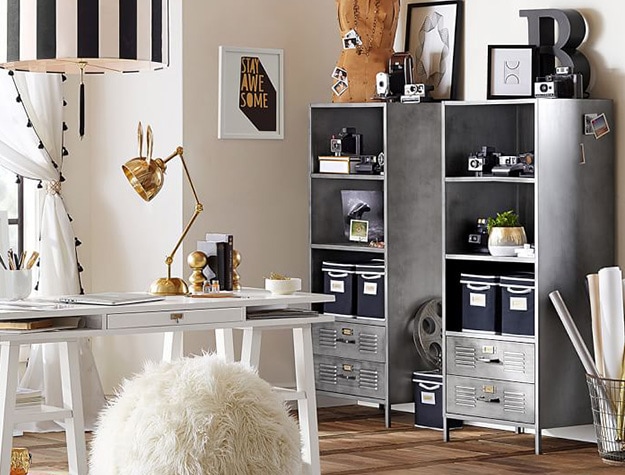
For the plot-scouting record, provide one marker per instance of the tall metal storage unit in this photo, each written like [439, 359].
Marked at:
[568, 211]
[371, 359]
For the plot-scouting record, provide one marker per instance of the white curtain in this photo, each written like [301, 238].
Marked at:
[32, 151]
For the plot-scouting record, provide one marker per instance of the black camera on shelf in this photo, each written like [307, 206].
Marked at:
[370, 164]
[478, 239]
[483, 161]
[515, 165]
[563, 84]
[347, 142]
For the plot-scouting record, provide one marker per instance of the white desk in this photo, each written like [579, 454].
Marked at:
[171, 316]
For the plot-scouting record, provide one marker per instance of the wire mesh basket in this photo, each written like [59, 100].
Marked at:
[607, 397]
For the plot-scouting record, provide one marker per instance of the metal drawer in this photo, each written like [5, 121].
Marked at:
[344, 376]
[498, 400]
[350, 340]
[174, 319]
[493, 359]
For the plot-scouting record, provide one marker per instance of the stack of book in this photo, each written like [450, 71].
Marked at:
[218, 247]
[28, 397]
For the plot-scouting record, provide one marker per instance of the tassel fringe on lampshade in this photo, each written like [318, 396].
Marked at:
[84, 36]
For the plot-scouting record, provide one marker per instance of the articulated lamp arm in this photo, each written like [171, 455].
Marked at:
[198, 208]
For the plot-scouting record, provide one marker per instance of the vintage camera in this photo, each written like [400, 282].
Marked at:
[563, 84]
[515, 165]
[416, 93]
[381, 84]
[414, 90]
[478, 240]
[368, 165]
[400, 72]
[483, 161]
[347, 142]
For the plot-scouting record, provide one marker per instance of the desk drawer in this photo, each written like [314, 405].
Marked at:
[174, 319]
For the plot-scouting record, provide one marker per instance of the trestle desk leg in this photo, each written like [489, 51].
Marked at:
[9, 360]
[72, 399]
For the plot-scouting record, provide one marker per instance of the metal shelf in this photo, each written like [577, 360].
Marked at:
[490, 179]
[346, 176]
[347, 247]
[489, 258]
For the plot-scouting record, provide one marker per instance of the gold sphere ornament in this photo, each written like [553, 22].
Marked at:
[197, 260]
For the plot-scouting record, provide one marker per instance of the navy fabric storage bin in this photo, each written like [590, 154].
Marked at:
[428, 401]
[370, 289]
[338, 280]
[517, 304]
[481, 309]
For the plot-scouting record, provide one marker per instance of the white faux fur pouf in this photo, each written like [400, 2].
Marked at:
[196, 416]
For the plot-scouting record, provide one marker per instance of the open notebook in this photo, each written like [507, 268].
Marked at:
[111, 298]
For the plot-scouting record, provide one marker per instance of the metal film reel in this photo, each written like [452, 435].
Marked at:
[428, 332]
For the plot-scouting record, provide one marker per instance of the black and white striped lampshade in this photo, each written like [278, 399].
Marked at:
[56, 36]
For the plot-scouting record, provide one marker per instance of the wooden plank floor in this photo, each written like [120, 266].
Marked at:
[353, 440]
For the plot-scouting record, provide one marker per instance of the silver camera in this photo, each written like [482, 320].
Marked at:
[382, 84]
[336, 146]
[414, 90]
[475, 163]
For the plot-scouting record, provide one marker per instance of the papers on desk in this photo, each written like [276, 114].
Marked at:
[281, 313]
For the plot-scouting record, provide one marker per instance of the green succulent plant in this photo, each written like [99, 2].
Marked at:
[507, 219]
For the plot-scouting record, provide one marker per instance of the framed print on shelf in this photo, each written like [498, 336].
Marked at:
[251, 93]
[433, 36]
[512, 71]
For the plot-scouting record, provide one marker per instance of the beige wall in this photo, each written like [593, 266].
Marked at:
[255, 189]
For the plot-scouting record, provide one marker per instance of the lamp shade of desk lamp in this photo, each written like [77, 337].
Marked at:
[84, 37]
[146, 176]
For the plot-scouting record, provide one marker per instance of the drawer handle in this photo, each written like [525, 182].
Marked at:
[176, 316]
[347, 377]
[494, 400]
[485, 359]
[345, 340]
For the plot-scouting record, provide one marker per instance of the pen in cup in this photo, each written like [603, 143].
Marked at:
[32, 260]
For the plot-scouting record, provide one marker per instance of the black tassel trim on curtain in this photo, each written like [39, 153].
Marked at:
[64, 153]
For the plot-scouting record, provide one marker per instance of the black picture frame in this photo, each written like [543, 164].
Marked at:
[446, 19]
[512, 71]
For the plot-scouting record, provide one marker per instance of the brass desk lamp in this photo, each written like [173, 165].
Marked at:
[146, 176]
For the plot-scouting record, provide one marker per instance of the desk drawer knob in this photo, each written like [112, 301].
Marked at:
[176, 316]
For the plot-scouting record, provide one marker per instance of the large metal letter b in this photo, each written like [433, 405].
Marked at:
[571, 33]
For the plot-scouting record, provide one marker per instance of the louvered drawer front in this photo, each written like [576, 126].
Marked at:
[345, 376]
[507, 360]
[347, 340]
[491, 399]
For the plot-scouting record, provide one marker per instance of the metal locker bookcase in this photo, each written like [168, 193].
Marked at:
[567, 209]
[372, 359]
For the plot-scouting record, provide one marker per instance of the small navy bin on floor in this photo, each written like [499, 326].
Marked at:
[481, 303]
[338, 280]
[428, 401]
[370, 289]
[517, 304]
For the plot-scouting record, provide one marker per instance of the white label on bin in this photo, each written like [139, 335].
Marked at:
[370, 288]
[518, 304]
[428, 398]
[337, 286]
[477, 300]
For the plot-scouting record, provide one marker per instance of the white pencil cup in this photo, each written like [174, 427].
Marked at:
[16, 284]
